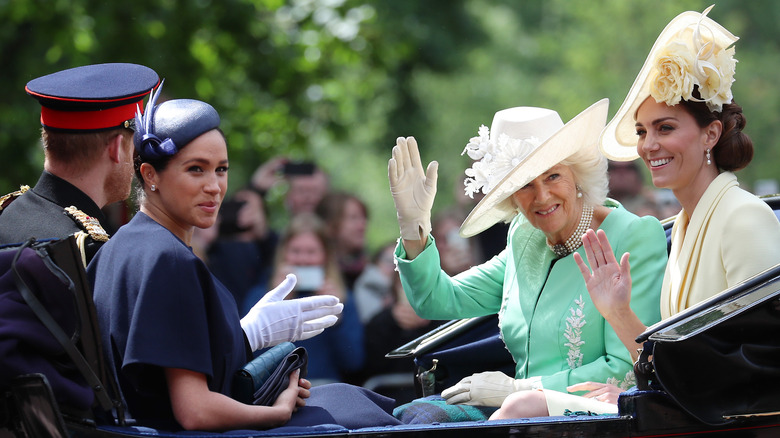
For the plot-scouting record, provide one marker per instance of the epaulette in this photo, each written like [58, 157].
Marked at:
[88, 223]
[7, 199]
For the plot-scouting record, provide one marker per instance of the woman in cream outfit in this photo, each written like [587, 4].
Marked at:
[680, 118]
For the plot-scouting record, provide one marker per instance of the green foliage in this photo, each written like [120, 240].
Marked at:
[338, 80]
[307, 79]
[566, 55]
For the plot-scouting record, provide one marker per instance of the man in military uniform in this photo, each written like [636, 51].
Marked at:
[87, 116]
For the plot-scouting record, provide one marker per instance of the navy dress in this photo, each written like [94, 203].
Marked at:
[159, 307]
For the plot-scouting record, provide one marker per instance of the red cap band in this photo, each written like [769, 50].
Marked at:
[88, 120]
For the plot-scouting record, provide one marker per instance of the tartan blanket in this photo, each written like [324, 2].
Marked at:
[434, 409]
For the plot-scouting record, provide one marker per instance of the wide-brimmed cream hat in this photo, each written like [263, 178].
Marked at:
[527, 141]
[692, 50]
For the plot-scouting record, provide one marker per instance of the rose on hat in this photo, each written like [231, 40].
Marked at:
[692, 50]
[523, 143]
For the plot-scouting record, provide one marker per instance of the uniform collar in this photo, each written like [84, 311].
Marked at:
[65, 194]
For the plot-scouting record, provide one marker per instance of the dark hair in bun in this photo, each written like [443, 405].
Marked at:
[734, 149]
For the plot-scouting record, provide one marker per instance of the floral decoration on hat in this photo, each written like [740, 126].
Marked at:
[693, 59]
[521, 144]
[150, 145]
[495, 159]
[693, 50]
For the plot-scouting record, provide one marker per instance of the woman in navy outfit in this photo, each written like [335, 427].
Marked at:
[171, 331]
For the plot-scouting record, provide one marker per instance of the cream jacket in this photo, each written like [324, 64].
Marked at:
[731, 236]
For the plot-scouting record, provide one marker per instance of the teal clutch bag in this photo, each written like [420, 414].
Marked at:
[262, 380]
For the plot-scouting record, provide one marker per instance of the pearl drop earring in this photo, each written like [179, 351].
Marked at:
[708, 157]
[154, 187]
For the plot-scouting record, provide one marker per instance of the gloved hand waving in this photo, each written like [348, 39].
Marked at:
[489, 388]
[274, 320]
[412, 188]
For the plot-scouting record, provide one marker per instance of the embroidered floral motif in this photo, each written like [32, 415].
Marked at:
[628, 381]
[574, 324]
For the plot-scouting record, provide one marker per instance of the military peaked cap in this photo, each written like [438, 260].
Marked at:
[92, 97]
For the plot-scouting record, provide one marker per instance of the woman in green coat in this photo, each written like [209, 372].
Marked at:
[550, 182]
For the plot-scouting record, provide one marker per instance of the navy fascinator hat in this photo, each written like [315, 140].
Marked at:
[165, 128]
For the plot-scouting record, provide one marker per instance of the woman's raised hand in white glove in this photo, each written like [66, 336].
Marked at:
[274, 320]
[413, 189]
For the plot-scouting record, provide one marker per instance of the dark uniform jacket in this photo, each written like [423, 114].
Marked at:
[41, 213]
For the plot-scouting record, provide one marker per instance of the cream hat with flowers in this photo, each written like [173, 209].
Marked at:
[521, 144]
[692, 49]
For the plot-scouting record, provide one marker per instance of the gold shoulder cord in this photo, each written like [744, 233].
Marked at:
[80, 242]
[88, 223]
[7, 199]
[93, 230]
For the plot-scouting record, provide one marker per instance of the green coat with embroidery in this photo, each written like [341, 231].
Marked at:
[546, 317]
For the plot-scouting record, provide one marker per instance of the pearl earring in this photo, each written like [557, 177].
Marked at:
[154, 187]
[708, 157]
[579, 190]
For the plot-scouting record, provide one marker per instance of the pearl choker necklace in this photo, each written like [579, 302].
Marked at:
[575, 240]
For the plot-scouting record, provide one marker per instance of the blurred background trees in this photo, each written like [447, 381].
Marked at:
[336, 81]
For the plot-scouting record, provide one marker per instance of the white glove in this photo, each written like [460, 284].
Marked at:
[274, 320]
[413, 190]
[487, 389]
